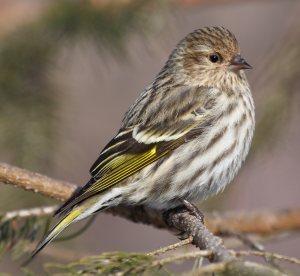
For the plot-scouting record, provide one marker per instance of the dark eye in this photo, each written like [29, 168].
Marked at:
[214, 58]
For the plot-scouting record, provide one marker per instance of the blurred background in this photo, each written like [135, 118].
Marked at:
[70, 69]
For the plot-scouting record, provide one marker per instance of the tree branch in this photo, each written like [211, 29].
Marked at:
[35, 182]
[177, 219]
[188, 224]
[262, 223]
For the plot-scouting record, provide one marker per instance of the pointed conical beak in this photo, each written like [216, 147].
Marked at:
[239, 63]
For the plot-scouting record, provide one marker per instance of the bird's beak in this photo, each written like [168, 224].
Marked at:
[239, 63]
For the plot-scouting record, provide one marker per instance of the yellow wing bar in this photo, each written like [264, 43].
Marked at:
[132, 164]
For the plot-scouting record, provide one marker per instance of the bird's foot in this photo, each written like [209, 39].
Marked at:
[166, 213]
[186, 205]
[193, 210]
[182, 235]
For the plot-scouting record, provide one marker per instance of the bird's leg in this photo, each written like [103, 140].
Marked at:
[193, 209]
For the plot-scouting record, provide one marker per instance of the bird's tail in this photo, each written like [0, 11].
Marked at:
[59, 227]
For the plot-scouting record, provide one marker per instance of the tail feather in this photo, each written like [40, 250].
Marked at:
[58, 228]
[62, 210]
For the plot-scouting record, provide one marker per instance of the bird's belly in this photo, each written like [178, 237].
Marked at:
[196, 170]
[219, 170]
[214, 167]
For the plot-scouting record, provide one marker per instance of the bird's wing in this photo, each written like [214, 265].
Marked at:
[135, 147]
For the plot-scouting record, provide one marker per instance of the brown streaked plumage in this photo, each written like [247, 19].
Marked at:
[184, 138]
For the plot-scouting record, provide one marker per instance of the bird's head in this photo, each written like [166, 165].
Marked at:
[209, 56]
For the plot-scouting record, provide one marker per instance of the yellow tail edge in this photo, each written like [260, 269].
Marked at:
[54, 232]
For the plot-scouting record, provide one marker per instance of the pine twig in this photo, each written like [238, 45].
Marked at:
[244, 239]
[170, 247]
[33, 212]
[182, 257]
[268, 255]
[236, 268]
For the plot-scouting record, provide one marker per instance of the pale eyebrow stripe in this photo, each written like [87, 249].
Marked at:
[203, 48]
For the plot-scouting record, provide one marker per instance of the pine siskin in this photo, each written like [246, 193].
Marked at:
[184, 138]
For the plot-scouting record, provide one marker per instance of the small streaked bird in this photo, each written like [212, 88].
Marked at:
[184, 138]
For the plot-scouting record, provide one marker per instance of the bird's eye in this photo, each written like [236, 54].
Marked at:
[214, 58]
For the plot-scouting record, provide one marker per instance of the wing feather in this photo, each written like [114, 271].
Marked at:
[133, 164]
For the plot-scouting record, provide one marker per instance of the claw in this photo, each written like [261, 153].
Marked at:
[194, 210]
